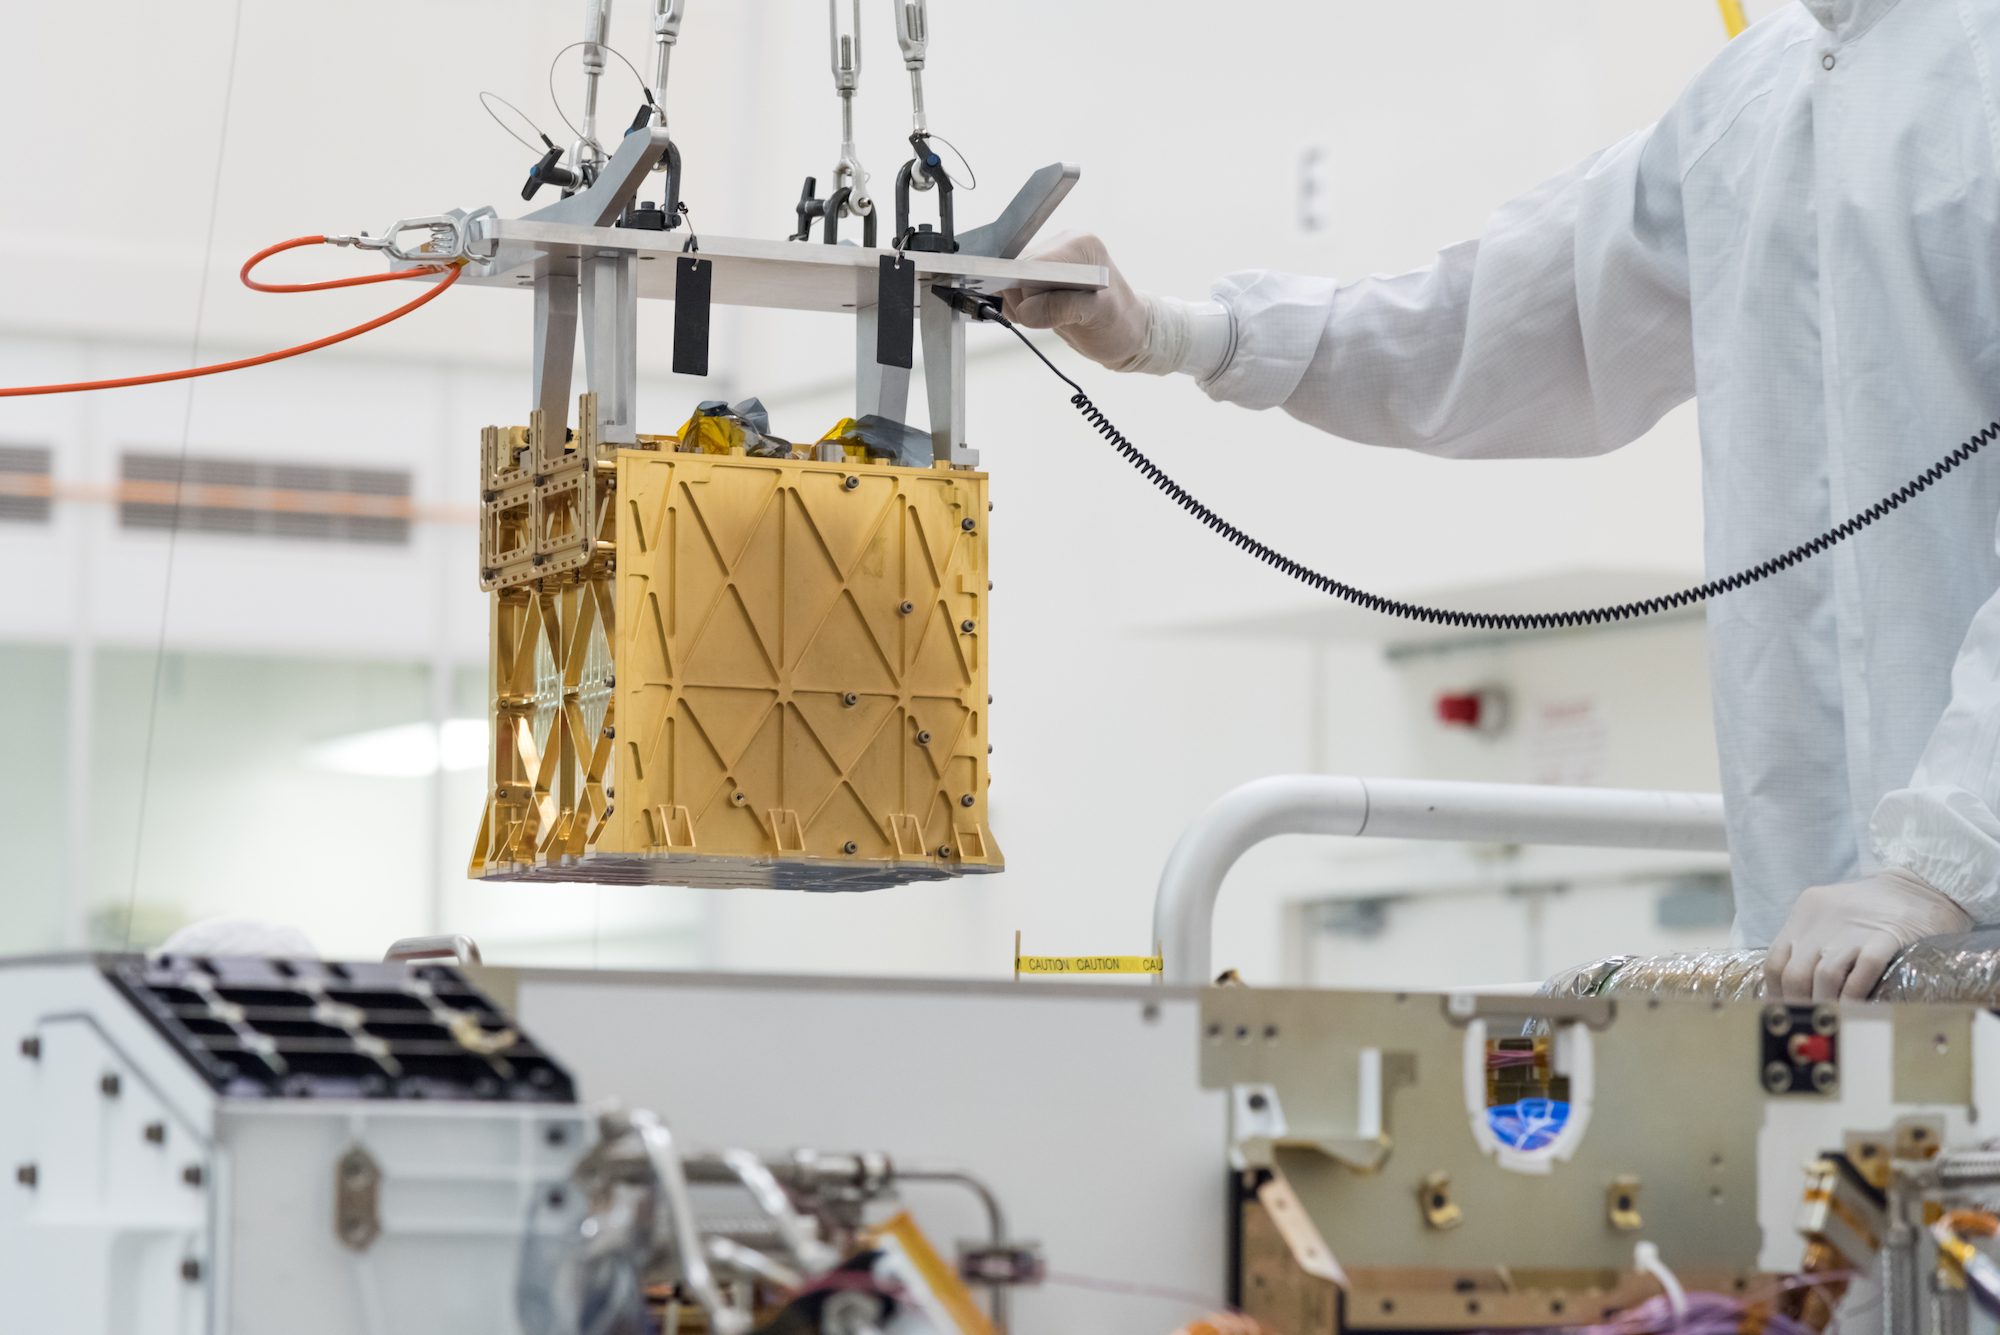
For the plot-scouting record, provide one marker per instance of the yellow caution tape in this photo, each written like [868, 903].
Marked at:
[1088, 964]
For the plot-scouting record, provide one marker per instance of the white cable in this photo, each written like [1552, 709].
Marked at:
[1646, 1257]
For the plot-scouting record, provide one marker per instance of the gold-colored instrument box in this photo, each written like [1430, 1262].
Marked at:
[725, 670]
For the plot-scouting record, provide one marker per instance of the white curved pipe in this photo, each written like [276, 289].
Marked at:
[1184, 910]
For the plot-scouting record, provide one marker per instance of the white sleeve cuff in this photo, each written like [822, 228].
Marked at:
[1946, 837]
[1197, 337]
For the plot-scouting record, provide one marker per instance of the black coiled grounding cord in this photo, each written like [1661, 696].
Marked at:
[1439, 616]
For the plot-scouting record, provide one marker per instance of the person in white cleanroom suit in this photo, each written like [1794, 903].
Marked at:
[1808, 241]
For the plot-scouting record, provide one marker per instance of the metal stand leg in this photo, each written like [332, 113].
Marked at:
[878, 389]
[610, 342]
[1951, 1312]
[1902, 1306]
[944, 381]
[555, 346]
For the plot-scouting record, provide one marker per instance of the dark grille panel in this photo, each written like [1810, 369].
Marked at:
[253, 499]
[24, 484]
[304, 1029]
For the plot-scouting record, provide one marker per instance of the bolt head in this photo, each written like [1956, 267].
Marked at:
[968, 625]
[966, 800]
[968, 524]
[907, 608]
[923, 738]
[852, 482]
[156, 1133]
[190, 1270]
[108, 1085]
[739, 798]
[850, 699]
[192, 1175]
[944, 850]
[850, 847]
[31, 1048]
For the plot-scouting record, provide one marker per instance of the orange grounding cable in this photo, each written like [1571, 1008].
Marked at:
[456, 267]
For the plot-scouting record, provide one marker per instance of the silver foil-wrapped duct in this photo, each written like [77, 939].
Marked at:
[1708, 975]
[1960, 968]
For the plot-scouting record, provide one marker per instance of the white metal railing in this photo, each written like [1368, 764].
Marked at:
[1184, 910]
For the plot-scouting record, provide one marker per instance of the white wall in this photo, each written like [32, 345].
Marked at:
[1190, 122]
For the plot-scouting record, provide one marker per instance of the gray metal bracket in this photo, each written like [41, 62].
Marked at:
[1009, 234]
[617, 182]
[881, 390]
[555, 342]
[944, 380]
[611, 342]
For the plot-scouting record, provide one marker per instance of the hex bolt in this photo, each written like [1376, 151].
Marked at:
[1258, 1103]
[850, 847]
[850, 699]
[944, 850]
[967, 625]
[107, 1085]
[25, 1175]
[923, 737]
[192, 1175]
[610, 733]
[31, 1048]
[968, 524]
[190, 1270]
[852, 482]
[488, 575]
[907, 608]
[739, 798]
[966, 800]
[156, 1133]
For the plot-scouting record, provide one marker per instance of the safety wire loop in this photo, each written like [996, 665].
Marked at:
[1439, 616]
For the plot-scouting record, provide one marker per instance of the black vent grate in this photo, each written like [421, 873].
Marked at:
[259, 1028]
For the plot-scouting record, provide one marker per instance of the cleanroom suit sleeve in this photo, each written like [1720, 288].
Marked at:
[1942, 827]
[1564, 330]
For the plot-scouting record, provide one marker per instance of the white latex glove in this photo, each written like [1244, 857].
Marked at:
[1839, 938]
[1109, 327]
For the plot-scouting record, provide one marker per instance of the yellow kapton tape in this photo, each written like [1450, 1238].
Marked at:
[1087, 964]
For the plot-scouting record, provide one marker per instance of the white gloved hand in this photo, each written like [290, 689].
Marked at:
[1109, 327]
[1838, 939]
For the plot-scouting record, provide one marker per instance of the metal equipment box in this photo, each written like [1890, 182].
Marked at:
[779, 661]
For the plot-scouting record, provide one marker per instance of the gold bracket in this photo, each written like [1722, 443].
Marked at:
[1434, 1199]
[1621, 1203]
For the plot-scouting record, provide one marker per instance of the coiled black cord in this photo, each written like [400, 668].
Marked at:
[1439, 616]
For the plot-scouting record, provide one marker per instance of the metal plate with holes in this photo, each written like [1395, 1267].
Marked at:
[1700, 1197]
[1931, 1054]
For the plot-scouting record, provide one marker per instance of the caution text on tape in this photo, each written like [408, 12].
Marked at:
[1084, 964]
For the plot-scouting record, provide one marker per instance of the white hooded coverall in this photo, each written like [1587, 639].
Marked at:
[1809, 240]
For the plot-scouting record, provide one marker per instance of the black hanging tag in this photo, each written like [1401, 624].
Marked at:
[693, 280]
[896, 312]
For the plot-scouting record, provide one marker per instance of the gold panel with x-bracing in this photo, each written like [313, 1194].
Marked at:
[769, 672]
[801, 671]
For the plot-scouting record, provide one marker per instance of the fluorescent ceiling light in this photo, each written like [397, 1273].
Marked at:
[408, 750]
